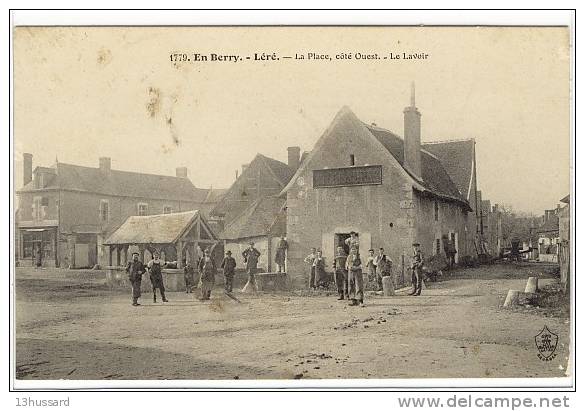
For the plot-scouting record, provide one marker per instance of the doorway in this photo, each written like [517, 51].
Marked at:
[340, 241]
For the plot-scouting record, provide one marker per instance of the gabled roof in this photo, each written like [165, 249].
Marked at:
[215, 195]
[435, 178]
[457, 157]
[263, 216]
[154, 229]
[122, 183]
[280, 171]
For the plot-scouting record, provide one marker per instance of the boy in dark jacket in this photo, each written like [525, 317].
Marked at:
[135, 269]
[229, 266]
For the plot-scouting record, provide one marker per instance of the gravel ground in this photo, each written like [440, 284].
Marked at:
[70, 325]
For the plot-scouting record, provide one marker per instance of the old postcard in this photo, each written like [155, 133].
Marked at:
[376, 205]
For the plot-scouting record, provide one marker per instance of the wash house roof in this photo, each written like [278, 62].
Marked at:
[156, 229]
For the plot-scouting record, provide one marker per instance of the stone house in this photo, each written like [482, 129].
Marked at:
[67, 211]
[391, 191]
[263, 223]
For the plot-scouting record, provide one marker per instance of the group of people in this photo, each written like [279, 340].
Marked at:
[136, 269]
[205, 266]
[348, 270]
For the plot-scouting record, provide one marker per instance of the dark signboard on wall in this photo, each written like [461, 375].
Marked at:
[347, 176]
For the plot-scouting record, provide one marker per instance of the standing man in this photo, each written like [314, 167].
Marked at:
[320, 274]
[340, 273]
[416, 266]
[371, 266]
[207, 269]
[353, 241]
[135, 269]
[251, 256]
[383, 268]
[355, 277]
[156, 278]
[310, 259]
[189, 273]
[229, 268]
[280, 258]
[450, 251]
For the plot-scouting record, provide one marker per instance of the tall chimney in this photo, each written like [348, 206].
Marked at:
[27, 168]
[412, 137]
[182, 172]
[294, 157]
[105, 164]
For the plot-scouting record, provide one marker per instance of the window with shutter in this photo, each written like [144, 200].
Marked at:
[104, 210]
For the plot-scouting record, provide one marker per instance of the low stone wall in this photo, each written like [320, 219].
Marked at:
[174, 280]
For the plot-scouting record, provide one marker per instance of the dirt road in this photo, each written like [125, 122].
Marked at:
[70, 326]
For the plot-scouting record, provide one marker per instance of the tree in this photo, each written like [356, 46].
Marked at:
[517, 225]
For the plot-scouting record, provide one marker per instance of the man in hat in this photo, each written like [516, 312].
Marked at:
[207, 269]
[383, 267]
[156, 278]
[280, 257]
[251, 256]
[340, 273]
[416, 266]
[355, 277]
[450, 250]
[229, 266]
[135, 269]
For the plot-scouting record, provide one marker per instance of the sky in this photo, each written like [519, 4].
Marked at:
[81, 93]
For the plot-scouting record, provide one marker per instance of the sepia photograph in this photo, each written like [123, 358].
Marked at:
[252, 204]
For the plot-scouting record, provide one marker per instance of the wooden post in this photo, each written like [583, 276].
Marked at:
[125, 249]
[141, 250]
[179, 247]
[110, 256]
[118, 249]
[269, 254]
[56, 245]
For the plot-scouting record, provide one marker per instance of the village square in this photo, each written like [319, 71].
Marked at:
[368, 255]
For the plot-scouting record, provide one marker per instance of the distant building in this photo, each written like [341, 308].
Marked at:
[251, 209]
[491, 227]
[548, 236]
[391, 191]
[66, 211]
[262, 177]
[263, 223]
